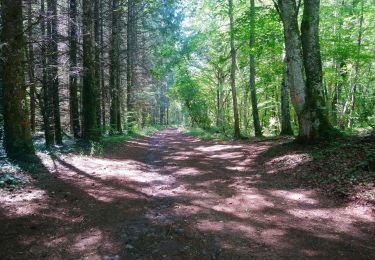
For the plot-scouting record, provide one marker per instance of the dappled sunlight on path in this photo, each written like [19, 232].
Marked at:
[171, 195]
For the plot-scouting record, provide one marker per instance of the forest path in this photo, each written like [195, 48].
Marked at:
[171, 196]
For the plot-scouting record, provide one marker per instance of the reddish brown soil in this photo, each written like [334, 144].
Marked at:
[170, 196]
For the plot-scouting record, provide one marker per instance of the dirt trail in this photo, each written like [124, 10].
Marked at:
[171, 196]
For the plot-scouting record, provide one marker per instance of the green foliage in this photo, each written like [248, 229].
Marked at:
[10, 180]
[212, 134]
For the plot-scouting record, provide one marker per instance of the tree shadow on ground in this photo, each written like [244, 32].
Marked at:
[173, 196]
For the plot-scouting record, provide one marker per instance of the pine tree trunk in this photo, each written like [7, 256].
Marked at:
[17, 135]
[47, 107]
[113, 68]
[89, 126]
[53, 64]
[130, 74]
[254, 102]
[237, 131]
[31, 71]
[73, 77]
[97, 19]
[102, 52]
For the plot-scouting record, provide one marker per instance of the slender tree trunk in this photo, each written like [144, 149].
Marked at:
[73, 77]
[102, 52]
[97, 19]
[254, 102]
[31, 69]
[114, 67]
[17, 135]
[1, 97]
[89, 126]
[286, 127]
[357, 68]
[53, 79]
[47, 107]
[130, 74]
[237, 131]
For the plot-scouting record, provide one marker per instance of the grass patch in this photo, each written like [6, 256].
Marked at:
[212, 134]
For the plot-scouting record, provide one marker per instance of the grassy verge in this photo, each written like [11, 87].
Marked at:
[206, 134]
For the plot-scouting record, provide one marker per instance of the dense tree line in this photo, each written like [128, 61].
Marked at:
[290, 67]
[87, 68]
[82, 68]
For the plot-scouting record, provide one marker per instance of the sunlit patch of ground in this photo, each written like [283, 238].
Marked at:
[174, 196]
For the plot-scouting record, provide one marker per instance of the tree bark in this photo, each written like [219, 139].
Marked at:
[17, 135]
[286, 127]
[254, 101]
[114, 109]
[131, 49]
[53, 78]
[315, 107]
[47, 108]
[97, 19]
[31, 70]
[89, 126]
[73, 77]
[237, 131]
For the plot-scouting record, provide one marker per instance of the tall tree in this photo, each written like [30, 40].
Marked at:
[303, 55]
[17, 134]
[47, 105]
[31, 70]
[237, 131]
[73, 76]
[97, 20]
[315, 107]
[53, 63]
[130, 65]
[115, 115]
[89, 125]
[254, 101]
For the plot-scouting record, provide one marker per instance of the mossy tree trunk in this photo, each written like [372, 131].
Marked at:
[17, 134]
[318, 125]
[304, 61]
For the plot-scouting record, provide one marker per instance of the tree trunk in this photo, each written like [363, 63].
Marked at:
[103, 88]
[113, 52]
[73, 77]
[286, 127]
[53, 78]
[97, 19]
[31, 71]
[237, 131]
[47, 108]
[315, 106]
[131, 49]
[17, 135]
[89, 126]
[254, 102]
[357, 68]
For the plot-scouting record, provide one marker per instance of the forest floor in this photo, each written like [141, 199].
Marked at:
[172, 196]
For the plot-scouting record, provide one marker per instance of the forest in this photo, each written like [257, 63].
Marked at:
[187, 129]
